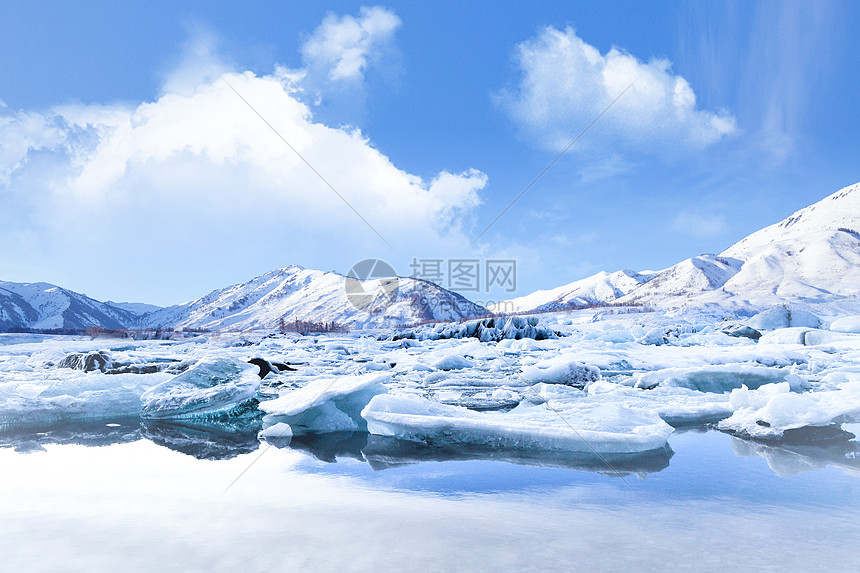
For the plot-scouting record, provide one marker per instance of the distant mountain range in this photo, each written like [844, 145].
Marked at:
[288, 294]
[597, 289]
[297, 293]
[45, 306]
[812, 256]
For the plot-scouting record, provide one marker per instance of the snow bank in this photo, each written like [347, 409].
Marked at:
[600, 428]
[213, 388]
[768, 412]
[330, 404]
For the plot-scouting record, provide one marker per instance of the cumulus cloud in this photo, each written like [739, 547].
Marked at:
[699, 226]
[194, 182]
[566, 83]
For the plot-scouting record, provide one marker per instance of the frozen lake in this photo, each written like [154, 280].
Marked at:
[154, 497]
[477, 456]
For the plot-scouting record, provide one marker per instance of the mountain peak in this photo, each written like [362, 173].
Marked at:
[293, 292]
[838, 212]
[813, 255]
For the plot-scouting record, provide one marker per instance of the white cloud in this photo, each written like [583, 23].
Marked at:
[342, 47]
[566, 83]
[699, 226]
[22, 133]
[197, 186]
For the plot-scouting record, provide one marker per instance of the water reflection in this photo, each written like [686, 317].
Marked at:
[93, 434]
[383, 453]
[204, 441]
[226, 440]
[328, 447]
[786, 458]
[141, 507]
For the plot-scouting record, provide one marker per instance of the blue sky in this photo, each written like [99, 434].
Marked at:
[130, 170]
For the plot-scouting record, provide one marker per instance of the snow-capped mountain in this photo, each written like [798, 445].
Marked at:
[309, 295]
[703, 273]
[47, 306]
[811, 256]
[600, 288]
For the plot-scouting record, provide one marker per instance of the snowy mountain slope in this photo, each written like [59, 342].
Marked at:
[814, 254]
[310, 295]
[841, 210]
[47, 306]
[599, 288]
[811, 256]
[689, 277]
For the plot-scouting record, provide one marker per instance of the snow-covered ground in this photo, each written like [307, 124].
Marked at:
[618, 381]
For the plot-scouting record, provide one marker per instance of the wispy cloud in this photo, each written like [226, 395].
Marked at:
[771, 58]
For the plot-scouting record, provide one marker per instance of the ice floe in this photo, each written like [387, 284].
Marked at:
[772, 410]
[620, 374]
[592, 428]
[214, 387]
[562, 369]
[329, 404]
[31, 399]
[715, 378]
[783, 316]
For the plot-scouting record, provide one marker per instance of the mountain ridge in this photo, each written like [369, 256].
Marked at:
[813, 255]
[295, 293]
[45, 306]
